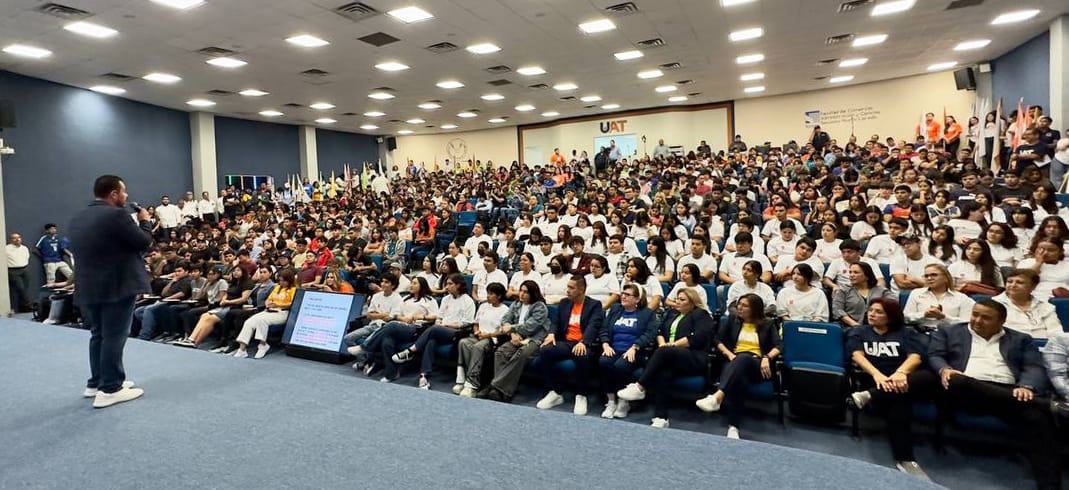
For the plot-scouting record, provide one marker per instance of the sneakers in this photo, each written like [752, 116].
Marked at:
[467, 392]
[549, 401]
[861, 398]
[633, 392]
[610, 410]
[913, 469]
[355, 350]
[369, 368]
[733, 432]
[261, 350]
[580, 405]
[91, 392]
[659, 423]
[457, 388]
[424, 384]
[186, 342]
[708, 404]
[241, 354]
[384, 379]
[622, 408]
[104, 400]
[403, 356]
[358, 365]
[219, 350]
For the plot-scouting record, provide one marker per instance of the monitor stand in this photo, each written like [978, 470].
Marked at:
[316, 354]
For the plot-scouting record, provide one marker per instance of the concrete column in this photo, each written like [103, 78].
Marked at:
[1059, 72]
[385, 155]
[309, 152]
[205, 171]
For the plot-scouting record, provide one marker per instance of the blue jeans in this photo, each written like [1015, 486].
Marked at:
[1057, 173]
[429, 341]
[147, 315]
[389, 341]
[109, 325]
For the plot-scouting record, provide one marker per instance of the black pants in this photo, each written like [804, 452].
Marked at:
[897, 409]
[19, 280]
[230, 326]
[549, 356]
[665, 364]
[190, 317]
[735, 381]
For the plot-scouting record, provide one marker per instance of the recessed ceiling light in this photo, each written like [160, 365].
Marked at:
[381, 95]
[892, 7]
[525, 107]
[869, 40]
[369, 127]
[746, 34]
[942, 66]
[27, 51]
[405, 131]
[492, 97]
[415, 121]
[853, 62]
[326, 120]
[466, 114]
[450, 84]
[270, 113]
[409, 15]
[108, 89]
[750, 59]
[90, 29]
[841, 79]
[1011, 17]
[610, 107]
[754, 90]
[749, 77]
[322, 106]
[564, 87]
[159, 77]
[483, 48]
[448, 126]
[392, 66]
[665, 88]
[550, 114]
[530, 70]
[374, 114]
[731, 3]
[677, 98]
[590, 98]
[227, 62]
[975, 44]
[650, 74]
[430, 106]
[200, 103]
[496, 120]
[307, 41]
[180, 4]
[628, 55]
[251, 92]
[594, 26]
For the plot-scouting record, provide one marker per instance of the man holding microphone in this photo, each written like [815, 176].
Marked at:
[107, 284]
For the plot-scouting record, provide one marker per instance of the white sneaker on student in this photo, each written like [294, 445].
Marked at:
[467, 392]
[355, 350]
[103, 400]
[261, 350]
[659, 423]
[733, 432]
[633, 392]
[549, 401]
[708, 404]
[622, 409]
[861, 399]
[580, 405]
[457, 388]
[218, 350]
[241, 354]
[424, 384]
[91, 392]
[610, 409]
[913, 469]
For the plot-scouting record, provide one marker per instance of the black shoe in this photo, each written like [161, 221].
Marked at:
[497, 395]
[483, 393]
[1060, 411]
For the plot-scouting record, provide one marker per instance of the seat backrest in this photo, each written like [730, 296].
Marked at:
[710, 293]
[641, 245]
[885, 269]
[1061, 308]
[467, 218]
[468, 278]
[551, 312]
[813, 342]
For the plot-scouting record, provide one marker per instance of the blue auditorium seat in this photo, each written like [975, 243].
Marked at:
[1061, 307]
[641, 245]
[814, 375]
[711, 298]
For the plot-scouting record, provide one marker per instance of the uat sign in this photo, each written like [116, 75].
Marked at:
[613, 126]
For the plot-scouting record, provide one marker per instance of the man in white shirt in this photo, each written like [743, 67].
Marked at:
[471, 245]
[378, 312]
[550, 223]
[697, 256]
[884, 248]
[746, 225]
[169, 215]
[190, 210]
[616, 255]
[803, 254]
[907, 270]
[784, 244]
[772, 227]
[542, 254]
[18, 276]
[489, 275]
[731, 263]
[838, 273]
[206, 208]
[571, 216]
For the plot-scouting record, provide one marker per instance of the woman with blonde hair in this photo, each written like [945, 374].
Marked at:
[938, 304]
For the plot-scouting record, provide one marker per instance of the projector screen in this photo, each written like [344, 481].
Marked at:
[627, 143]
[318, 320]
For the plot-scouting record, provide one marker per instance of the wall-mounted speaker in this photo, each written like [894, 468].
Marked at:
[965, 79]
[7, 114]
[391, 143]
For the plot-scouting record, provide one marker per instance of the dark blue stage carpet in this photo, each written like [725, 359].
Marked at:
[210, 421]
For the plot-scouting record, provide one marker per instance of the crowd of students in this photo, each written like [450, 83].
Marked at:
[605, 265]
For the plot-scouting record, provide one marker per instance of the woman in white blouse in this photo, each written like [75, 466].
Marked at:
[803, 302]
[672, 244]
[418, 311]
[689, 275]
[828, 245]
[658, 261]
[555, 282]
[457, 311]
[751, 271]
[1049, 262]
[640, 275]
[871, 225]
[1025, 312]
[970, 224]
[938, 304]
[977, 266]
[1003, 244]
[600, 285]
[583, 228]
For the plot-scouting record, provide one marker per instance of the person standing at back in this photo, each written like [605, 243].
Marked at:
[110, 275]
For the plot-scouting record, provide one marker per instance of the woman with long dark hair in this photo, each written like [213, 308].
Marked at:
[977, 266]
[418, 311]
[849, 303]
[1003, 244]
[942, 245]
[658, 261]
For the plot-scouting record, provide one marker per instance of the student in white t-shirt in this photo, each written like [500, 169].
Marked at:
[802, 302]
[803, 254]
[473, 349]
[828, 245]
[489, 274]
[697, 256]
[784, 243]
[838, 273]
[884, 248]
[907, 270]
[731, 263]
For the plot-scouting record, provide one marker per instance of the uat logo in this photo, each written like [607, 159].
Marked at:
[613, 126]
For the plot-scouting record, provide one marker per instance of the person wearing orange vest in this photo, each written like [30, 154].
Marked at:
[952, 135]
[557, 159]
[932, 129]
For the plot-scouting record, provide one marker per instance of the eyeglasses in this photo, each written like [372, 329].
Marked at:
[626, 293]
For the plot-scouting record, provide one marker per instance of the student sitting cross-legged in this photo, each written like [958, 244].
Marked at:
[456, 312]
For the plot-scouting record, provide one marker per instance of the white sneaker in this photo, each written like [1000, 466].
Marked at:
[261, 350]
[91, 392]
[622, 409]
[633, 392]
[218, 350]
[424, 384]
[103, 400]
[549, 401]
[467, 392]
[610, 409]
[708, 404]
[241, 354]
[358, 365]
[862, 398]
[384, 379]
[355, 350]
[457, 388]
[913, 469]
[49, 321]
[659, 423]
[580, 405]
[733, 432]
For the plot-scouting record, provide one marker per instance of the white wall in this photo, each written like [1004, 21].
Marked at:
[888, 108]
[497, 145]
[681, 126]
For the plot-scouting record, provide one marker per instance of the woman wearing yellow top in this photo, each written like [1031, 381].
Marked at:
[278, 309]
[750, 342]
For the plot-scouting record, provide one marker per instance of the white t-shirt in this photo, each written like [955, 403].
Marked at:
[600, 288]
[839, 271]
[472, 244]
[910, 267]
[771, 228]
[381, 303]
[518, 278]
[455, 310]
[555, 288]
[489, 317]
[810, 306]
[652, 287]
[705, 263]
[828, 251]
[963, 228]
[1051, 276]
[779, 248]
[669, 265]
[732, 264]
[425, 306]
[883, 248]
[740, 288]
[964, 271]
[758, 244]
[483, 279]
[787, 262]
[682, 285]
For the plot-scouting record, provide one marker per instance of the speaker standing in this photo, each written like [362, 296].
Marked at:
[107, 284]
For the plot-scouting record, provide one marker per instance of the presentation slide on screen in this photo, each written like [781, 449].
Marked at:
[628, 144]
[321, 321]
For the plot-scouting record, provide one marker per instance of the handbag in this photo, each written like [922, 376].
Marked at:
[977, 288]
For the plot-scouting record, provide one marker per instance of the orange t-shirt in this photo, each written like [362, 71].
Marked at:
[575, 331]
[556, 159]
[953, 131]
[932, 130]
